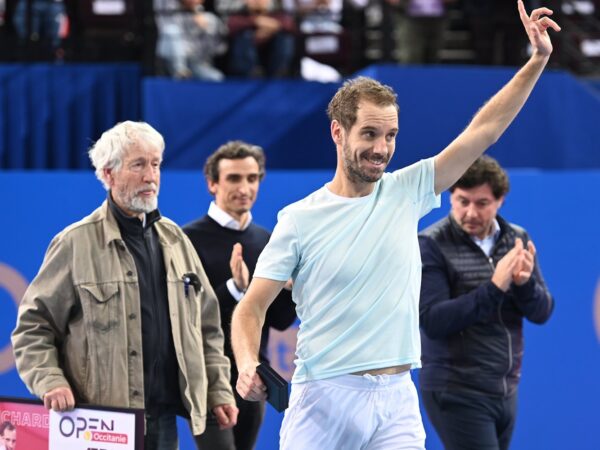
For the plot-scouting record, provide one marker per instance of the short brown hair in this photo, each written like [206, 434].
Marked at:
[343, 106]
[234, 150]
[484, 170]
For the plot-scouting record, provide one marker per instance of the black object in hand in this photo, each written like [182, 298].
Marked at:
[277, 387]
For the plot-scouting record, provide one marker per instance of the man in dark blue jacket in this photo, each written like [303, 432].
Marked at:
[480, 279]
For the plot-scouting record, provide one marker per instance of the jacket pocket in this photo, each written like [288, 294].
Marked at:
[100, 304]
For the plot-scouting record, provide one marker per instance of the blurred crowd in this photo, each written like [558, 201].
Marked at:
[315, 39]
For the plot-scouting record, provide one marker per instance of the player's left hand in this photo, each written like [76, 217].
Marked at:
[536, 27]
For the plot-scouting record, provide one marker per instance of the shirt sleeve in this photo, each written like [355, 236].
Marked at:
[48, 305]
[281, 256]
[233, 290]
[419, 180]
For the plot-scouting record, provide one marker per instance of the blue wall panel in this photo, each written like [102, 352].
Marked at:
[50, 114]
[286, 117]
[557, 128]
[559, 390]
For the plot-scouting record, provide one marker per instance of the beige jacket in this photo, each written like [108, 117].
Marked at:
[79, 321]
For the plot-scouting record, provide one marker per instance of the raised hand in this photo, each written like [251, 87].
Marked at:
[524, 269]
[508, 265]
[536, 27]
[239, 269]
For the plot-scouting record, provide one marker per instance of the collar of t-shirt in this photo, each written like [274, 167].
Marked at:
[487, 243]
[225, 220]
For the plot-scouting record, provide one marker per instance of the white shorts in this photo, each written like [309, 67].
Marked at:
[354, 412]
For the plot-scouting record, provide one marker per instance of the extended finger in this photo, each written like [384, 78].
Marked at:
[235, 251]
[518, 245]
[508, 261]
[547, 22]
[538, 12]
[522, 13]
[531, 248]
[527, 261]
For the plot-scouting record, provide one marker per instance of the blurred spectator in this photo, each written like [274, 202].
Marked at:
[579, 7]
[2, 11]
[316, 15]
[189, 38]
[321, 38]
[224, 8]
[421, 25]
[41, 21]
[262, 40]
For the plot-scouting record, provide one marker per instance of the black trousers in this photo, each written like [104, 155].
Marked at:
[471, 422]
[161, 432]
[241, 437]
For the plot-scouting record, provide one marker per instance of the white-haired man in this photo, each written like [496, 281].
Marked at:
[121, 312]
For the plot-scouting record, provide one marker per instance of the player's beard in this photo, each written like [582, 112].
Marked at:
[358, 174]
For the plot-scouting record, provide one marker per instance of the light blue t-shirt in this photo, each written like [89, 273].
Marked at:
[356, 268]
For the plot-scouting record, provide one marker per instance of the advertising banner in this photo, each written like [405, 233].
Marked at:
[31, 426]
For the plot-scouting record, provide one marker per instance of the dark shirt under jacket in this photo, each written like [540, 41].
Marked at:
[161, 375]
[472, 332]
[214, 245]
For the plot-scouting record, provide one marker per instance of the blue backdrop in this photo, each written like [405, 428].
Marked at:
[558, 127]
[50, 114]
[559, 392]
